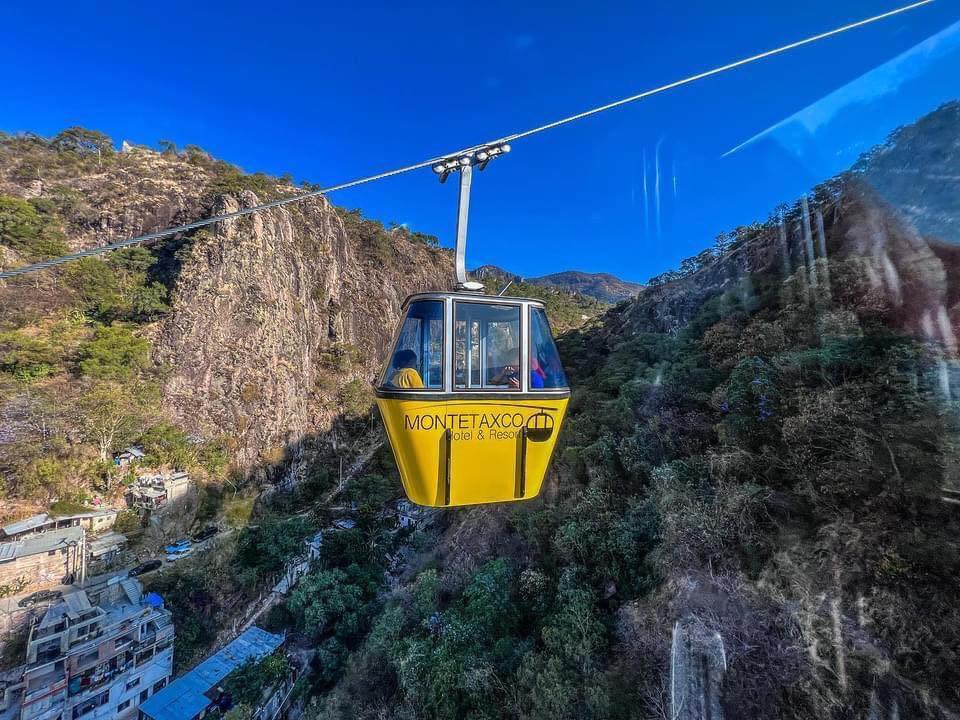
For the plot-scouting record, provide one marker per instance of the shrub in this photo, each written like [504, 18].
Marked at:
[114, 353]
[28, 231]
[27, 358]
[127, 522]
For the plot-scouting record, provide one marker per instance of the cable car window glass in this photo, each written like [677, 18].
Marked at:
[417, 360]
[546, 372]
[486, 346]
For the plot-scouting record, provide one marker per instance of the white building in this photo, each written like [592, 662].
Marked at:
[152, 492]
[92, 661]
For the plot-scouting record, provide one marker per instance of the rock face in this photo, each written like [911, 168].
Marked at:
[916, 171]
[847, 228]
[894, 214]
[136, 192]
[273, 313]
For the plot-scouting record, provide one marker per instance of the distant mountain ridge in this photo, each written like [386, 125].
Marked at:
[600, 286]
[915, 171]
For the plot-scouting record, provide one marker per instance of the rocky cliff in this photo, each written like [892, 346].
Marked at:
[274, 313]
[270, 317]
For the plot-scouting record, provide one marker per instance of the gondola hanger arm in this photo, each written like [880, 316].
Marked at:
[464, 163]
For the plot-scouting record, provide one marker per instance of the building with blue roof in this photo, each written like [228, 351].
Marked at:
[190, 696]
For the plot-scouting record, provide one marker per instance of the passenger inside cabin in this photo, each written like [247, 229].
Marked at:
[553, 375]
[509, 374]
[405, 375]
[537, 374]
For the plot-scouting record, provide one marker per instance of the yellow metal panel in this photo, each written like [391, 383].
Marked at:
[498, 450]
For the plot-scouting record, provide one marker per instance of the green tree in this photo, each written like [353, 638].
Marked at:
[20, 223]
[28, 231]
[267, 548]
[97, 286]
[327, 598]
[462, 664]
[249, 682]
[565, 679]
[112, 414]
[27, 358]
[148, 302]
[45, 476]
[83, 142]
[114, 353]
[127, 522]
[166, 444]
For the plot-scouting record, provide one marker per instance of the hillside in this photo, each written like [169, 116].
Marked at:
[199, 314]
[255, 332]
[603, 287]
[915, 171]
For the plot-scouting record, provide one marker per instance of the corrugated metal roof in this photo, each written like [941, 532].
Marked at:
[77, 602]
[30, 523]
[106, 543]
[40, 543]
[185, 698]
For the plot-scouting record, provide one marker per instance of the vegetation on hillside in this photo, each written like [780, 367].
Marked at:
[770, 473]
[76, 368]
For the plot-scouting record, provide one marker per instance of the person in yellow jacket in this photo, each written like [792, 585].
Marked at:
[406, 376]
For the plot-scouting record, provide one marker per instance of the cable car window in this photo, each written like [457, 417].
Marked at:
[546, 372]
[486, 346]
[417, 360]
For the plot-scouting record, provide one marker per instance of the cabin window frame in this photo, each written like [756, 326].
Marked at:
[531, 308]
[523, 329]
[444, 329]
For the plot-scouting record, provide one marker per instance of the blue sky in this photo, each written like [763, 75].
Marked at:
[332, 91]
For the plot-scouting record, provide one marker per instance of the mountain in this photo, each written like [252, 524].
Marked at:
[600, 286]
[252, 333]
[915, 171]
[265, 320]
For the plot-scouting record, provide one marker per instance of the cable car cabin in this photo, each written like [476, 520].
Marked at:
[472, 396]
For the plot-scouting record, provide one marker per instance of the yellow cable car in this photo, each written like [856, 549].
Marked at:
[473, 393]
[473, 396]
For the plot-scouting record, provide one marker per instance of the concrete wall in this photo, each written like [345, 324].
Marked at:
[41, 570]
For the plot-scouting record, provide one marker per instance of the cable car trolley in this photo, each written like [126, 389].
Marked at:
[473, 393]
[472, 397]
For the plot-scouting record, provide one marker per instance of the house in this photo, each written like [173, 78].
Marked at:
[43, 560]
[87, 661]
[152, 492]
[94, 522]
[128, 456]
[106, 547]
[193, 695]
[409, 515]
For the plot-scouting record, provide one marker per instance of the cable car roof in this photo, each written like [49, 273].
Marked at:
[473, 297]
